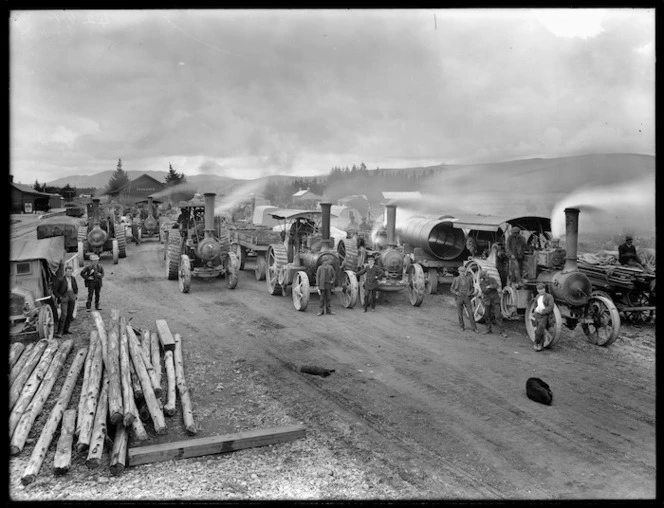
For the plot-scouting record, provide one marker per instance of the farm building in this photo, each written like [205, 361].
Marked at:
[137, 190]
[25, 199]
[306, 199]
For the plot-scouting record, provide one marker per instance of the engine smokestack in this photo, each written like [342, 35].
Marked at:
[150, 209]
[325, 209]
[95, 210]
[391, 216]
[209, 213]
[571, 238]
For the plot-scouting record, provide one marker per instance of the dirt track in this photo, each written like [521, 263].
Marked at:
[411, 395]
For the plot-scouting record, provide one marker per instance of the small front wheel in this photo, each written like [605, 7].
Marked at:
[184, 274]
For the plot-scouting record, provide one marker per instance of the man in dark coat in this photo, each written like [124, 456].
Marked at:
[493, 315]
[325, 281]
[66, 291]
[462, 288]
[543, 314]
[373, 273]
[627, 255]
[92, 275]
[515, 248]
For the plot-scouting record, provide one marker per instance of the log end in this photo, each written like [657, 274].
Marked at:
[169, 411]
[117, 469]
[14, 450]
[82, 447]
[128, 419]
[61, 470]
[158, 392]
[191, 430]
[117, 418]
[162, 431]
[28, 479]
[92, 463]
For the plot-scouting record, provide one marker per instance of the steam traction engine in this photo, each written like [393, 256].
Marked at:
[149, 225]
[295, 262]
[558, 269]
[101, 235]
[400, 272]
[196, 246]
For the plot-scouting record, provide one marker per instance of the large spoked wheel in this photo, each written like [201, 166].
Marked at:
[349, 289]
[416, 284]
[604, 326]
[80, 253]
[261, 267]
[361, 285]
[122, 240]
[637, 299]
[232, 272]
[300, 291]
[184, 274]
[116, 252]
[431, 281]
[348, 256]
[508, 302]
[46, 323]
[277, 258]
[553, 329]
[240, 253]
[173, 255]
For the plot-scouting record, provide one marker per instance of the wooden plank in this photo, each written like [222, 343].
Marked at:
[214, 444]
[165, 336]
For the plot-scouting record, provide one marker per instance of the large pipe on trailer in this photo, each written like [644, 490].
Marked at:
[571, 238]
[436, 237]
[391, 216]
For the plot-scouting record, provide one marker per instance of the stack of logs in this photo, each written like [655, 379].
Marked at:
[121, 388]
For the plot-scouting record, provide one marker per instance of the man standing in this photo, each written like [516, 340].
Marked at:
[371, 282]
[92, 275]
[491, 300]
[462, 289]
[543, 312]
[627, 255]
[515, 247]
[325, 280]
[66, 290]
[135, 227]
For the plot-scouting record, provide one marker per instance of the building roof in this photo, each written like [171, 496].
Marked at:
[26, 189]
[306, 194]
[130, 182]
[50, 249]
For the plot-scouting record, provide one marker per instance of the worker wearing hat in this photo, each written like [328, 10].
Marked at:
[373, 273]
[543, 314]
[93, 274]
[462, 288]
[493, 317]
[515, 248]
[627, 255]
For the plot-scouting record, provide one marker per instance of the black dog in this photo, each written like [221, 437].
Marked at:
[538, 390]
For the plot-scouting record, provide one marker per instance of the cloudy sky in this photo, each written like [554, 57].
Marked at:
[250, 93]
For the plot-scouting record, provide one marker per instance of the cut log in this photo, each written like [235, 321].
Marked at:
[165, 336]
[169, 408]
[138, 431]
[92, 349]
[103, 338]
[115, 407]
[99, 431]
[91, 398]
[146, 347]
[62, 460]
[20, 363]
[129, 403]
[155, 350]
[148, 392]
[26, 386]
[29, 365]
[46, 437]
[185, 398]
[15, 351]
[143, 412]
[119, 453]
[135, 383]
[214, 444]
[29, 410]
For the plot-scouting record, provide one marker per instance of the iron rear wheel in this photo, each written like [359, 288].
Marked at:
[416, 284]
[604, 327]
[277, 259]
[349, 289]
[300, 290]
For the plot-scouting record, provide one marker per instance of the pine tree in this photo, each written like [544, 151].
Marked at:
[173, 177]
[118, 179]
[37, 187]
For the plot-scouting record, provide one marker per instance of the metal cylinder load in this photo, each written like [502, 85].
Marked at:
[436, 237]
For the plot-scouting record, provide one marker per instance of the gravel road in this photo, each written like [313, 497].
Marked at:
[415, 407]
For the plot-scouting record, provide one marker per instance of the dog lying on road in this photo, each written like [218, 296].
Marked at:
[538, 390]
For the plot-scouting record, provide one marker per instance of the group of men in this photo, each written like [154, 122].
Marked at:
[65, 291]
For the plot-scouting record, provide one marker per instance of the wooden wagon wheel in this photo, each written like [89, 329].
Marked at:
[46, 323]
[300, 291]
[637, 299]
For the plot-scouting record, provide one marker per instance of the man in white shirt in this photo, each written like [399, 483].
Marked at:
[543, 311]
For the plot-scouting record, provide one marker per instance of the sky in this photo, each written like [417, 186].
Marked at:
[246, 94]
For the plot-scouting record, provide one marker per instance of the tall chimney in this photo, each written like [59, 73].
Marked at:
[150, 209]
[391, 216]
[209, 213]
[325, 209]
[571, 238]
[95, 210]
